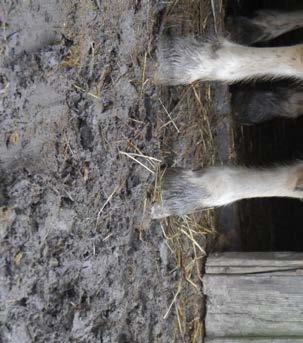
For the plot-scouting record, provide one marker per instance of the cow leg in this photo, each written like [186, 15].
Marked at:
[185, 60]
[264, 26]
[253, 106]
[185, 191]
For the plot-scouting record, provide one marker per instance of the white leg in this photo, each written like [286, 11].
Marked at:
[185, 60]
[185, 191]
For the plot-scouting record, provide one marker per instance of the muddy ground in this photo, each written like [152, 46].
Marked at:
[80, 260]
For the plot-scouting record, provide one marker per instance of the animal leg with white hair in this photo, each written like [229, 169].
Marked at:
[185, 60]
[185, 191]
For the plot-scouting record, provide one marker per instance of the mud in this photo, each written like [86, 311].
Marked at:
[80, 260]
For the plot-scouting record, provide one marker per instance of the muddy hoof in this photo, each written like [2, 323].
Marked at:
[182, 193]
[177, 61]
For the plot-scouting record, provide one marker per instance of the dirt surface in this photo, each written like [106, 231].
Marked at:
[80, 261]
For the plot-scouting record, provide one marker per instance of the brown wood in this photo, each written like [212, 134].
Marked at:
[244, 300]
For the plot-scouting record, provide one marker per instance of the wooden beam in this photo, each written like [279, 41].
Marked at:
[251, 262]
[244, 300]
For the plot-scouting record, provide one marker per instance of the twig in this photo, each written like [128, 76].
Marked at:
[194, 241]
[179, 320]
[169, 116]
[214, 15]
[134, 159]
[143, 73]
[106, 202]
[173, 301]
[88, 93]
[145, 156]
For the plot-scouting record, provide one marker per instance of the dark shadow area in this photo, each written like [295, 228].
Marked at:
[269, 224]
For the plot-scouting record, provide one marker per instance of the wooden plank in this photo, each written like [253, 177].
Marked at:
[257, 305]
[251, 262]
[255, 269]
[253, 339]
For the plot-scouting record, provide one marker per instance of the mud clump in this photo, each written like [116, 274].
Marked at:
[77, 263]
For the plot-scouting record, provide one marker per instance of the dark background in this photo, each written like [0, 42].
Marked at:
[270, 224]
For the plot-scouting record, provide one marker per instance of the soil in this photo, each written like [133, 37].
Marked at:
[80, 260]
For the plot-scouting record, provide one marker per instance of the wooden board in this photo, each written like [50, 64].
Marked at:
[251, 262]
[243, 300]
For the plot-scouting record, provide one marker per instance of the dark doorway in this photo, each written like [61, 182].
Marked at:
[269, 224]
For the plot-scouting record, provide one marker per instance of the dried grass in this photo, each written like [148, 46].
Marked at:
[187, 140]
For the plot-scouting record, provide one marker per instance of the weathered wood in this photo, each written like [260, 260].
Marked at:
[254, 304]
[254, 339]
[251, 262]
